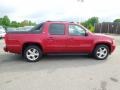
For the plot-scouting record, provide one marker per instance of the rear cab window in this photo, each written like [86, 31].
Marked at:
[38, 28]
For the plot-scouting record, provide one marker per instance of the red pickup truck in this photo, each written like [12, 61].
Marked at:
[58, 37]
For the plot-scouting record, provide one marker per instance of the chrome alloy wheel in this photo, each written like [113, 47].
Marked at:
[102, 52]
[32, 54]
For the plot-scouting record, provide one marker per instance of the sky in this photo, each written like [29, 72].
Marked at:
[63, 10]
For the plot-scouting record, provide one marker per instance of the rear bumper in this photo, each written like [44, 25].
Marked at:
[2, 35]
[5, 49]
[12, 49]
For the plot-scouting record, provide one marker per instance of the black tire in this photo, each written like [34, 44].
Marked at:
[38, 52]
[96, 50]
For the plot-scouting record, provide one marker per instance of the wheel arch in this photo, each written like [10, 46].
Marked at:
[102, 43]
[31, 43]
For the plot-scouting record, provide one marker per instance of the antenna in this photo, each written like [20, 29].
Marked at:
[80, 0]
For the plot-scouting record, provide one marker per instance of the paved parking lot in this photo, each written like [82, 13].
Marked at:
[60, 72]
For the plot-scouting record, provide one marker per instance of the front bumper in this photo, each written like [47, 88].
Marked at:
[113, 47]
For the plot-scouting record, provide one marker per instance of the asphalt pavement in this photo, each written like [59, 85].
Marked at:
[60, 72]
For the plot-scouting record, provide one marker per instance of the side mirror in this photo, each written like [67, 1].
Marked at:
[86, 33]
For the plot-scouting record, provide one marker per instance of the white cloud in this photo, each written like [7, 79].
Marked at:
[40, 10]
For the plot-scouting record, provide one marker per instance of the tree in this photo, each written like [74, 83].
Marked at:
[93, 20]
[90, 23]
[24, 23]
[116, 20]
[5, 21]
[0, 21]
[91, 27]
[31, 23]
[27, 23]
[14, 24]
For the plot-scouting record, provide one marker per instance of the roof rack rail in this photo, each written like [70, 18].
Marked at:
[59, 21]
[71, 22]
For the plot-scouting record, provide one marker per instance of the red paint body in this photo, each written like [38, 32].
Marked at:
[57, 43]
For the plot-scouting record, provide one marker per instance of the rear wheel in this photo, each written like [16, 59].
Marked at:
[101, 52]
[32, 53]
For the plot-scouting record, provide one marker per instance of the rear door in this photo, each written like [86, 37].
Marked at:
[56, 39]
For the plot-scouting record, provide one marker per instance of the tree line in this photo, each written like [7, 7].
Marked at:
[6, 22]
[94, 20]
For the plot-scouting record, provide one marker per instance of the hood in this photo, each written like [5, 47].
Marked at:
[104, 35]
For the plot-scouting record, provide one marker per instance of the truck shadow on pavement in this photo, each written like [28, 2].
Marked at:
[15, 63]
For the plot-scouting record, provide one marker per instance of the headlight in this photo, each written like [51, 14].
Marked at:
[113, 41]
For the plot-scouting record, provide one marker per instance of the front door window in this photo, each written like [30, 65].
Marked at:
[76, 30]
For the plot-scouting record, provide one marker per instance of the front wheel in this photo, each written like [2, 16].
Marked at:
[101, 52]
[32, 53]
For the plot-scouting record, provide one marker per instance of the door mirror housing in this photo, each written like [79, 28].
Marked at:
[86, 33]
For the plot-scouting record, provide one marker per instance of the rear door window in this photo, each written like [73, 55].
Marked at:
[57, 29]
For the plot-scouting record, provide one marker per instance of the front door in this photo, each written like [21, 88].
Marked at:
[77, 40]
